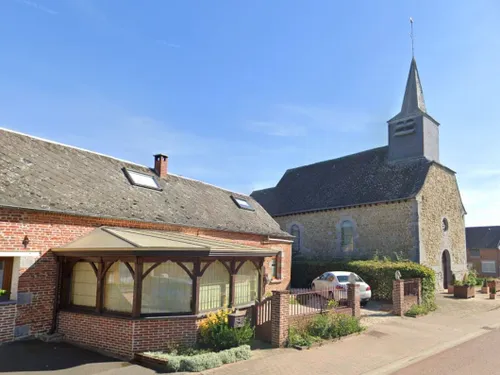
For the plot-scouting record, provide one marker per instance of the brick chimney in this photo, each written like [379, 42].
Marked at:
[161, 165]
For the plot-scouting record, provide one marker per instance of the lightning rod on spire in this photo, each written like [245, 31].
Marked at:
[412, 39]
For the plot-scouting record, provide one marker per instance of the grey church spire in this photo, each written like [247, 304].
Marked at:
[413, 100]
[413, 133]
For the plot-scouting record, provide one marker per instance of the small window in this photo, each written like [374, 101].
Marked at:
[242, 203]
[347, 235]
[6, 265]
[474, 253]
[142, 179]
[488, 266]
[295, 231]
[445, 225]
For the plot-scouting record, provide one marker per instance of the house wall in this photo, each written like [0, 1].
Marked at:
[485, 254]
[386, 228]
[7, 320]
[37, 280]
[440, 198]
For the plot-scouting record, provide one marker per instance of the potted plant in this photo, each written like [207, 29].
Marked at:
[452, 285]
[485, 289]
[466, 287]
[4, 295]
[493, 293]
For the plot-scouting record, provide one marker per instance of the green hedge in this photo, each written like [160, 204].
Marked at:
[378, 274]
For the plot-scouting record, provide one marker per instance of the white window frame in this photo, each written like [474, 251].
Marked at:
[489, 262]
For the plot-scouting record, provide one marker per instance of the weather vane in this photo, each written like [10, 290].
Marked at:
[411, 36]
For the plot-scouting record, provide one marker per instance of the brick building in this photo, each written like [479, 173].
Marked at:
[120, 257]
[397, 199]
[483, 250]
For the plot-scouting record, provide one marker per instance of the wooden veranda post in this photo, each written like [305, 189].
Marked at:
[137, 299]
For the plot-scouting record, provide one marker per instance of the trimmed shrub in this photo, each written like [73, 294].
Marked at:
[378, 274]
[204, 361]
[216, 334]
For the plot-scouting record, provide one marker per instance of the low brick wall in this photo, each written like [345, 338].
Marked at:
[158, 334]
[7, 321]
[401, 303]
[114, 335]
[122, 336]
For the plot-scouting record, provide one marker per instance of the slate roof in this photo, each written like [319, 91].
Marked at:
[361, 178]
[482, 237]
[42, 175]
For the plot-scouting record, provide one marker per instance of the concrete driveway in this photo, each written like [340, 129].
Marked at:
[37, 357]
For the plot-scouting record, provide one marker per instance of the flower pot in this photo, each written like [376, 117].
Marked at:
[451, 289]
[5, 297]
[485, 289]
[493, 296]
[464, 291]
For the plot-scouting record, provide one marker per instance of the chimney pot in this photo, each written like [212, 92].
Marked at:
[161, 165]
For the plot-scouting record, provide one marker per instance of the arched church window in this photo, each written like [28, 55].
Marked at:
[445, 225]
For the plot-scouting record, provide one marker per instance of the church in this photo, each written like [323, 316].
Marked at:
[396, 201]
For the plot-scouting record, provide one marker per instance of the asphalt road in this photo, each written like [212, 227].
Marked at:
[478, 356]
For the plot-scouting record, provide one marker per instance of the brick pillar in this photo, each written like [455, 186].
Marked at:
[353, 299]
[280, 309]
[398, 297]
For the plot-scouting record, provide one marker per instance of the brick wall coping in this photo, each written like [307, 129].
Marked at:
[128, 317]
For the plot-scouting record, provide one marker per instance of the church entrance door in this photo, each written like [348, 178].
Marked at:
[446, 269]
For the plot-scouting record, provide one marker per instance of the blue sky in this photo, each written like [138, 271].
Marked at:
[236, 92]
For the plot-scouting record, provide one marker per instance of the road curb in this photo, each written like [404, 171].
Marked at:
[407, 361]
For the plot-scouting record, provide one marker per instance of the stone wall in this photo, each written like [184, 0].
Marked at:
[440, 199]
[386, 228]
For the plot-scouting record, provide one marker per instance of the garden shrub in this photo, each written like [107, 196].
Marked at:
[378, 274]
[423, 309]
[216, 334]
[203, 361]
[324, 326]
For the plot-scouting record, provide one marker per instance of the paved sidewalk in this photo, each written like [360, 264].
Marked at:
[384, 348]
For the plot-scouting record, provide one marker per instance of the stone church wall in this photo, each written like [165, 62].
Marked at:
[386, 228]
[440, 199]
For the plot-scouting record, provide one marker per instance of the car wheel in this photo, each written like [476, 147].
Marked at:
[364, 303]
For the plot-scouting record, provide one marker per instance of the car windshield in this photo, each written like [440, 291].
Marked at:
[345, 279]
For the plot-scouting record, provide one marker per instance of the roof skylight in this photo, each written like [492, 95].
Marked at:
[142, 179]
[242, 203]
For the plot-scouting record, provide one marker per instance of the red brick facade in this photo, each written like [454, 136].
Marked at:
[38, 282]
[7, 321]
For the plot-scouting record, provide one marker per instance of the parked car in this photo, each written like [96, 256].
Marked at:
[334, 284]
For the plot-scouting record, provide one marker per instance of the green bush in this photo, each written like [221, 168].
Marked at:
[324, 326]
[204, 361]
[217, 335]
[378, 274]
[298, 337]
[422, 309]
